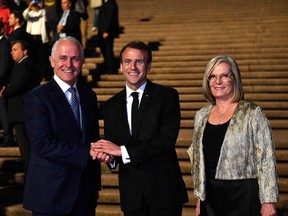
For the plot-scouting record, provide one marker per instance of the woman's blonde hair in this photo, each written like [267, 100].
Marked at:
[238, 92]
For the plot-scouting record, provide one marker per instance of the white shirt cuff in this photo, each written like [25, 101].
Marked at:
[125, 155]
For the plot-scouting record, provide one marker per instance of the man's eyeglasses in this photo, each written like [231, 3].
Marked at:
[225, 77]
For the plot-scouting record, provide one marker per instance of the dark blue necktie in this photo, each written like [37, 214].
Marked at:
[134, 112]
[75, 104]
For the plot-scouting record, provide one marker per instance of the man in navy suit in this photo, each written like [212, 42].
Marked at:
[150, 178]
[62, 179]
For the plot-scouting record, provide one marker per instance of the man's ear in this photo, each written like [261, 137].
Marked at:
[149, 67]
[52, 61]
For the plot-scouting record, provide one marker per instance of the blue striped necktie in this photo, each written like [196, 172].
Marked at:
[75, 104]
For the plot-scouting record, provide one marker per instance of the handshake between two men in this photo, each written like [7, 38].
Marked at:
[104, 151]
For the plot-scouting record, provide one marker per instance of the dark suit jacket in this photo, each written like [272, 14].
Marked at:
[108, 20]
[6, 61]
[60, 150]
[154, 171]
[21, 34]
[72, 27]
[21, 81]
[13, 6]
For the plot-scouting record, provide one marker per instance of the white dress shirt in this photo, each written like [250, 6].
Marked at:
[64, 87]
[129, 100]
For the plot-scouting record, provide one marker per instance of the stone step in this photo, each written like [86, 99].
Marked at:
[197, 90]
[185, 166]
[189, 83]
[271, 105]
[199, 97]
[275, 123]
[101, 210]
[189, 123]
[112, 196]
[184, 140]
[271, 114]
[110, 180]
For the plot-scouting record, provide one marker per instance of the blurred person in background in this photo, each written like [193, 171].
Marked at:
[81, 8]
[17, 5]
[68, 21]
[6, 64]
[17, 22]
[35, 15]
[21, 81]
[95, 4]
[4, 16]
[108, 30]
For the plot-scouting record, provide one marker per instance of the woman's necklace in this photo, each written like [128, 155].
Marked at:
[221, 114]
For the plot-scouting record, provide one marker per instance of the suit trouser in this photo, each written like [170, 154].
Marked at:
[8, 132]
[146, 210]
[79, 208]
[23, 143]
[106, 46]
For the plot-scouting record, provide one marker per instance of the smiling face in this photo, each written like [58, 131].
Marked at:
[67, 61]
[222, 87]
[135, 67]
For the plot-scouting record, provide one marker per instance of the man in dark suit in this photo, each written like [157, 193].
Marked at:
[108, 30]
[62, 179]
[69, 21]
[150, 178]
[21, 80]
[6, 64]
[16, 21]
[17, 5]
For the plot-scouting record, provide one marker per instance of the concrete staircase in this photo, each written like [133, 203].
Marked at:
[184, 36]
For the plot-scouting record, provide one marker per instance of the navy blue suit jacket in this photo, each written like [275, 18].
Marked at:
[60, 150]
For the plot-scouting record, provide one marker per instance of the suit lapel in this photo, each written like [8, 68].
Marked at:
[123, 110]
[61, 99]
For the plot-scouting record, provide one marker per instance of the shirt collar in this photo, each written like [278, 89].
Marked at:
[24, 57]
[139, 90]
[64, 86]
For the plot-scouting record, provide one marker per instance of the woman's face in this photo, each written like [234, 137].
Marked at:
[221, 82]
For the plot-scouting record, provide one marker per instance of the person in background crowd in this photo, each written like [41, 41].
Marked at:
[232, 151]
[6, 64]
[17, 5]
[62, 120]
[69, 21]
[141, 128]
[21, 81]
[4, 16]
[16, 21]
[108, 30]
[35, 15]
[53, 9]
[95, 4]
[81, 8]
